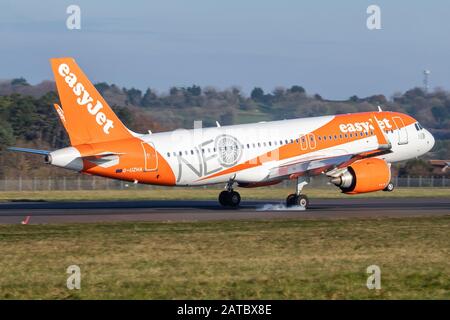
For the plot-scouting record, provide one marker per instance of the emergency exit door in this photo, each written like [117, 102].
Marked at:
[401, 129]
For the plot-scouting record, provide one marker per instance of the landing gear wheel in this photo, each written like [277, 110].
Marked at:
[294, 200]
[229, 198]
[234, 199]
[291, 200]
[389, 187]
[223, 198]
[303, 201]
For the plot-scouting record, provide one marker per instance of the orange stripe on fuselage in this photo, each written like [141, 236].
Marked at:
[332, 128]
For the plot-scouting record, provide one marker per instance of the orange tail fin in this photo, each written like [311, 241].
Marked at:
[87, 116]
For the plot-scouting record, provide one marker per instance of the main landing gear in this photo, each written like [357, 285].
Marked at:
[297, 199]
[229, 197]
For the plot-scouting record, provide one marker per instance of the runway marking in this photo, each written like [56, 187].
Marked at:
[27, 219]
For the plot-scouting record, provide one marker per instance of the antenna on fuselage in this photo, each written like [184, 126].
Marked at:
[217, 124]
[379, 109]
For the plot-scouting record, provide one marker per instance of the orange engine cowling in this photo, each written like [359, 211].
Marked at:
[362, 176]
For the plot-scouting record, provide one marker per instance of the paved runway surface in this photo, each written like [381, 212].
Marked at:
[98, 211]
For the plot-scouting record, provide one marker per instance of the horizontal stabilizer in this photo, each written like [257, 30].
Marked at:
[26, 150]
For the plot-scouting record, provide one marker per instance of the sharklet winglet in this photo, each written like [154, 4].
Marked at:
[382, 139]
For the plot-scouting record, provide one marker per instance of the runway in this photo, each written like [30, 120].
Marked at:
[168, 210]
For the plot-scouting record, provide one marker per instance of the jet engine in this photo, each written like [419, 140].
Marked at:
[363, 176]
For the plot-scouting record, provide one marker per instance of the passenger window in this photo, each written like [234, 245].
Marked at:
[168, 154]
[312, 141]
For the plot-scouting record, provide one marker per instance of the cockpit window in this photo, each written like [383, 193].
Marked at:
[418, 126]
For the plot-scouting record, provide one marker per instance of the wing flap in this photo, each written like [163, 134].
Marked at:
[312, 166]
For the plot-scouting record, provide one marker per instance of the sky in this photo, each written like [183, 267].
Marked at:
[324, 46]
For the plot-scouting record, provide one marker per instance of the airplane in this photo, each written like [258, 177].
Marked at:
[354, 151]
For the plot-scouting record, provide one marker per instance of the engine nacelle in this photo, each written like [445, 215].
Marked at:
[363, 176]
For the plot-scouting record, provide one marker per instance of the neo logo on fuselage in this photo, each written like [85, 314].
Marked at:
[227, 151]
[85, 99]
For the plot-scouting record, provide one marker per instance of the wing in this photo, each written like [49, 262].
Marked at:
[319, 162]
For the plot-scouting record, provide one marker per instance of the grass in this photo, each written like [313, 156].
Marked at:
[210, 194]
[232, 260]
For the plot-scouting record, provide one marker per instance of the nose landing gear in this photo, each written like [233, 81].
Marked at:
[389, 187]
